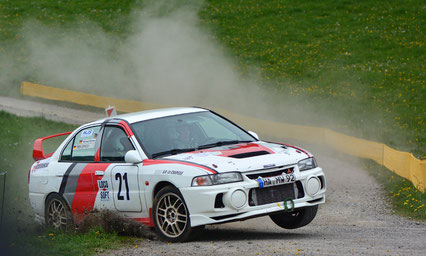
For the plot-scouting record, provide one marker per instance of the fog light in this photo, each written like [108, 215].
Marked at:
[236, 198]
[313, 185]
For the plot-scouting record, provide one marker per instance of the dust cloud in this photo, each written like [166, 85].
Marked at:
[168, 59]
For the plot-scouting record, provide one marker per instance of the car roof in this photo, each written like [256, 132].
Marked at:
[154, 113]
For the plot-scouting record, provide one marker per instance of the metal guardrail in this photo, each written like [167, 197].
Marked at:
[2, 198]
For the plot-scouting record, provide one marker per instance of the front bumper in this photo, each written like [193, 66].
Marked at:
[242, 200]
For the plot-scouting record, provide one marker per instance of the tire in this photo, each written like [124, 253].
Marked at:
[171, 216]
[295, 219]
[57, 213]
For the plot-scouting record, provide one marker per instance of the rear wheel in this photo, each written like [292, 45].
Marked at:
[295, 219]
[171, 216]
[57, 213]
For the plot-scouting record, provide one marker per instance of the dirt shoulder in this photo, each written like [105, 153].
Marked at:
[356, 219]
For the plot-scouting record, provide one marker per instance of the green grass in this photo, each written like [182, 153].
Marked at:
[111, 14]
[53, 242]
[360, 62]
[405, 198]
[363, 59]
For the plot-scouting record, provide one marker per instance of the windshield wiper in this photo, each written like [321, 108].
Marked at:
[223, 143]
[173, 152]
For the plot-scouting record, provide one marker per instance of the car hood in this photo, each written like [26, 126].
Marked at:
[244, 157]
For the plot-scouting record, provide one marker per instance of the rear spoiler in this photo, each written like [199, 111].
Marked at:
[38, 153]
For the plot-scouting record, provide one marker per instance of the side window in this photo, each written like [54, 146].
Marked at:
[83, 146]
[115, 144]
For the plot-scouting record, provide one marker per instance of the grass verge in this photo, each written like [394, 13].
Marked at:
[405, 198]
[54, 242]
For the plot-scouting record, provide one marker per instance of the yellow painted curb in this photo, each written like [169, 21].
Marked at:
[401, 163]
[52, 93]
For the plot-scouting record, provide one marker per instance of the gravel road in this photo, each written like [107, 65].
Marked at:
[356, 218]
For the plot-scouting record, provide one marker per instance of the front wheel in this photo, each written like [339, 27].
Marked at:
[171, 216]
[295, 219]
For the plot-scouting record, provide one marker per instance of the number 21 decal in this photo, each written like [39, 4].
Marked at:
[120, 180]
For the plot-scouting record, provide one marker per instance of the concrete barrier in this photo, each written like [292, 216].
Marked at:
[402, 163]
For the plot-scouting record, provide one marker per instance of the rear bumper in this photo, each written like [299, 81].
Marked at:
[238, 201]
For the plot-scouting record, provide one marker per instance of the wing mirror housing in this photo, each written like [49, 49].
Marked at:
[133, 157]
[254, 135]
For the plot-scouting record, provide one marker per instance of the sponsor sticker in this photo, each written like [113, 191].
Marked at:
[104, 190]
[172, 172]
[87, 133]
[104, 195]
[85, 144]
[42, 165]
[269, 165]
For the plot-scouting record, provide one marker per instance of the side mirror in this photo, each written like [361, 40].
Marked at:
[254, 134]
[133, 157]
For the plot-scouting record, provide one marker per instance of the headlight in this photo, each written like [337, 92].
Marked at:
[216, 179]
[306, 164]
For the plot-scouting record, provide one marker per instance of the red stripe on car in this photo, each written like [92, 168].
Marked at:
[147, 162]
[126, 127]
[245, 148]
[98, 155]
[238, 149]
[146, 221]
[86, 190]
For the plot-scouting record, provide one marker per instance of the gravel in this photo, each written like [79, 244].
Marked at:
[355, 220]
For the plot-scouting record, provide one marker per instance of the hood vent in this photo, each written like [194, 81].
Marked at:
[250, 154]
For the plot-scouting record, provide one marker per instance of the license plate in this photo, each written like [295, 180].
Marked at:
[277, 180]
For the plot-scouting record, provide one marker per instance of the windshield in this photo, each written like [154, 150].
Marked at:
[187, 132]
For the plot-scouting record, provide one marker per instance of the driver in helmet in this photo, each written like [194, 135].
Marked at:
[184, 138]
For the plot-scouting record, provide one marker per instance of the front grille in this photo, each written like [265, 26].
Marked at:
[275, 194]
[270, 174]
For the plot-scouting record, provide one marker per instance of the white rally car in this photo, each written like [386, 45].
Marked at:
[176, 170]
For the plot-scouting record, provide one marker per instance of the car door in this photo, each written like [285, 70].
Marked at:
[79, 184]
[123, 176]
